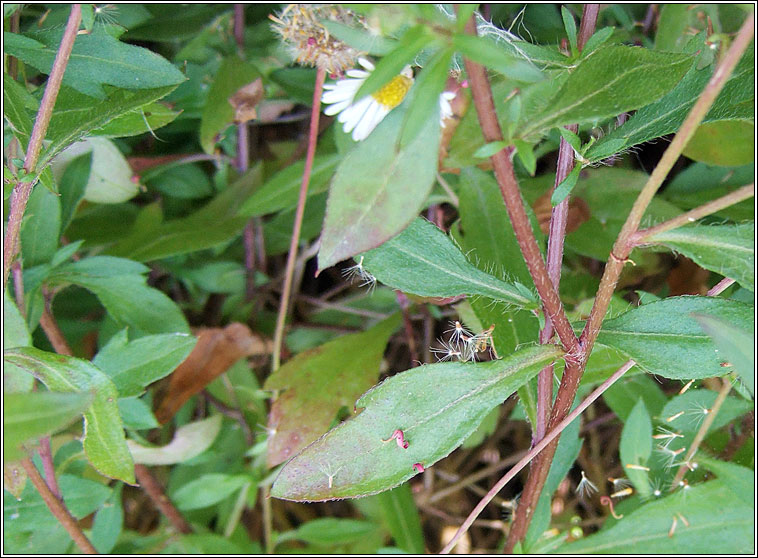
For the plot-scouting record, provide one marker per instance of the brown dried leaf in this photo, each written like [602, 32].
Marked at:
[579, 212]
[216, 350]
[245, 100]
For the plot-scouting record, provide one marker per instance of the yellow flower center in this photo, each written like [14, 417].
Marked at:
[394, 92]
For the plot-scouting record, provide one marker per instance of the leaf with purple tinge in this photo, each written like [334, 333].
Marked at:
[379, 187]
[436, 406]
[318, 383]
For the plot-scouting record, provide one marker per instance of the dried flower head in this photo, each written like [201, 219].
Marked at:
[300, 27]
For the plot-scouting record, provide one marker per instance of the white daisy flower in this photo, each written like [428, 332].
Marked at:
[363, 116]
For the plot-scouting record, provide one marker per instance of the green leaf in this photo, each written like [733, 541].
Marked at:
[108, 522]
[317, 383]
[401, 514]
[132, 366]
[437, 406]
[96, 59]
[281, 190]
[207, 490]
[609, 81]
[28, 416]
[379, 188]
[571, 138]
[104, 442]
[277, 232]
[409, 45]
[110, 180]
[728, 250]
[329, 531]
[525, 153]
[489, 149]
[136, 414]
[189, 441]
[15, 334]
[359, 39]
[691, 408]
[72, 186]
[132, 303]
[719, 522]
[30, 513]
[622, 395]
[740, 480]
[666, 115]
[489, 53]
[425, 105]
[736, 344]
[41, 227]
[665, 339]
[636, 446]
[217, 112]
[570, 25]
[597, 39]
[726, 143]
[19, 106]
[422, 260]
[566, 186]
[142, 120]
[76, 116]
[215, 223]
[672, 22]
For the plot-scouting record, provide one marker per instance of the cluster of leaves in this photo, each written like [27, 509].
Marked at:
[126, 262]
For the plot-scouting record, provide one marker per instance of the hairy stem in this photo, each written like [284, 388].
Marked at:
[556, 237]
[22, 190]
[547, 440]
[642, 236]
[155, 492]
[57, 508]
[292, 255]
[485, 109]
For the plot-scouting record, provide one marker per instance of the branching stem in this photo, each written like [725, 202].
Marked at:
[22, 190]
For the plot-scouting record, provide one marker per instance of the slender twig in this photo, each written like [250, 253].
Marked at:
[720, 287]
[554, 261]
[556, 237]
[268, 535]
[643, 235]
[155, 492]
[506, 179]
[22, 190]
[549, 437]
[232, 413]
[405, 304]
[57, 508]
[292, 255]
[702, 431]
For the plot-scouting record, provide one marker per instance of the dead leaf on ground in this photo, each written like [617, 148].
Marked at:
[245, 100]
[216, 350]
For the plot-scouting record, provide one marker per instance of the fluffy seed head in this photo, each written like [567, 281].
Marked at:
[310, 43]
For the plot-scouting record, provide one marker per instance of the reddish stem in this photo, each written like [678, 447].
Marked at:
[22, 190]
[155, 492]
[292, 255]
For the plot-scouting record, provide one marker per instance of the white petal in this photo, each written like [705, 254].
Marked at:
[352, 115]
[357, 74]
[370, 120]
[336, 108]
[366, 124]
[366, 63]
